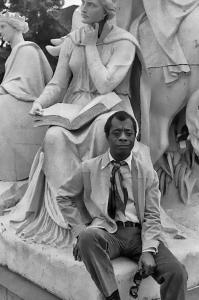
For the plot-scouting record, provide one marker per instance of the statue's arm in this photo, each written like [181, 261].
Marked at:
[56, 88]
[107, 78]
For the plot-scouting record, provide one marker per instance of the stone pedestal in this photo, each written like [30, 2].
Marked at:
[56, 271]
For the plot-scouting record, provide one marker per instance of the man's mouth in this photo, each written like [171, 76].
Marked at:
[122, 146]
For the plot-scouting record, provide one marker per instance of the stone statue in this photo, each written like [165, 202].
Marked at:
[93, 60]
[171, 61]
[42, 222]
[27, 71]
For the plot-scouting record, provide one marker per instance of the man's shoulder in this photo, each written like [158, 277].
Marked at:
[93, 162]
[141, 153]
[141, 148]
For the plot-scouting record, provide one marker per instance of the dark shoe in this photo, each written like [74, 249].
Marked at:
[114, 296]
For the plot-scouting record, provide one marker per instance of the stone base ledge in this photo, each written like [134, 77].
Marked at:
[16, 287]
[56, 271]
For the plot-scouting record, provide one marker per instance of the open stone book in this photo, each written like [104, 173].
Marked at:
[75, 116]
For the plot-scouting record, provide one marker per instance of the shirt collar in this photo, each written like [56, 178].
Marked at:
[107, 159]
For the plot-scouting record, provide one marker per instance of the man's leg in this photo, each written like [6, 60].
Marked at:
[96, 247]
[171, 274]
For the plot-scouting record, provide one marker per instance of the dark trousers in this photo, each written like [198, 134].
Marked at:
[97, 247]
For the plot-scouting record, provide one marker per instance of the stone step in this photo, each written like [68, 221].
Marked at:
[193, 294]
[16, 287]
[56, 271]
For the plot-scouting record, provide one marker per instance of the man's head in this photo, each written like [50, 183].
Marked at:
[121, 131]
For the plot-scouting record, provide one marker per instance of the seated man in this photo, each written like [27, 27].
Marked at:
[121, 200]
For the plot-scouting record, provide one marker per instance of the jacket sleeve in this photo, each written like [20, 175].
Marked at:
[70, 201]
[151, 227]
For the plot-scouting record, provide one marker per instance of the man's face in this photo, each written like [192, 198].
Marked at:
[121, 138]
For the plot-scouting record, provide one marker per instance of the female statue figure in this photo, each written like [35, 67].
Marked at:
[27, 71]
[93, 60]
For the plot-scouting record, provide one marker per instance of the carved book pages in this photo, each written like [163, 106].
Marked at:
[74, 116]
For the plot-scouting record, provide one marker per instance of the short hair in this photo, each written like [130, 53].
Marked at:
[121, 116]
[109, 7]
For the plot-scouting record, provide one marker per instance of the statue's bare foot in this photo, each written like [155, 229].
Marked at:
[53, 50]
[58, 41]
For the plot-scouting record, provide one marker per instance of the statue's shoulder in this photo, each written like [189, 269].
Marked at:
[26, 50]
[119, 34]
[28, 46]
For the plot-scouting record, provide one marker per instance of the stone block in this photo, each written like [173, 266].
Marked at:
[56, 271]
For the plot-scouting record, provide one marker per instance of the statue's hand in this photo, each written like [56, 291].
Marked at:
[90, 34]
[36, 109]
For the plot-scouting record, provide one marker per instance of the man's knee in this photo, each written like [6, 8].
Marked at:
[178, 272]
[89, 239]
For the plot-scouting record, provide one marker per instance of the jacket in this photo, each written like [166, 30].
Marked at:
[85, 196]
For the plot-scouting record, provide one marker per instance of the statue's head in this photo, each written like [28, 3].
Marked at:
[110, 7]
[15, 20]
[94, 11]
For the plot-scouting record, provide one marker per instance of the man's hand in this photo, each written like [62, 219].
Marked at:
[90, 34]
[76, 253]
[146, 264]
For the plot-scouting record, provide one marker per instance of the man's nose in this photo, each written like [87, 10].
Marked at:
[123, 136]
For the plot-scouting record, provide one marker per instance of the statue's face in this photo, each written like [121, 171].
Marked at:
[6, 31]
[92, 11]
[121, 138]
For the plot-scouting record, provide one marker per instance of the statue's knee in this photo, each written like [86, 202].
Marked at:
[54, 136]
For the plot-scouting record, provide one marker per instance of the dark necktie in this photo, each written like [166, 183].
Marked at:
[118, 194]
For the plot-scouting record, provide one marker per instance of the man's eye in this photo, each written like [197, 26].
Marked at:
[129, 133]
[116, 133]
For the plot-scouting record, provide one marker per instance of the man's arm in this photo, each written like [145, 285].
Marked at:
[151, 227]
[70, 198]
